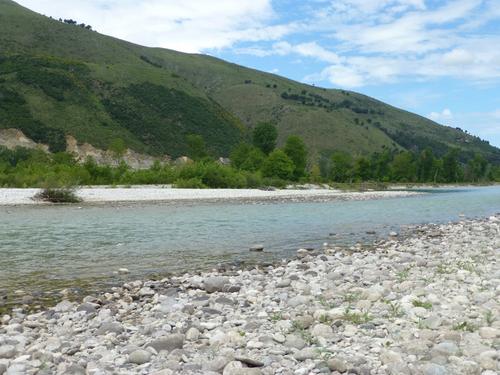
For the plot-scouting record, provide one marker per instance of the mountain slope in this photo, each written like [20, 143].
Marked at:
[58, 79]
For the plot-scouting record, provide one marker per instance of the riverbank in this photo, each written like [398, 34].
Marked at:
[426, 304]
[166, 194]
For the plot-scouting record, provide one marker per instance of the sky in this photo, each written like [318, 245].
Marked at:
[440, 59]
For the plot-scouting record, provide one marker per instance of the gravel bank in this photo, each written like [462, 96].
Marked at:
[157, 194]
[428, 304]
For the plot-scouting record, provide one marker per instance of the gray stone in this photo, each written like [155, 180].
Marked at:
[139, 357]
[250, 362]
[168, 343]
[3, 368]
[87, 307]
[294, 341]
[322, 330]
[7, 351]
[192, 334]
[216, 284]
[257, 248]
[337, 364]
[445, 349]
[110, 327]
[434, 369]
[217, 364]
[75, 369]
[489, 360]
[237, 368]
[305, 354]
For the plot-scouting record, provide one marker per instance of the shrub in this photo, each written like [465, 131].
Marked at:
[278, 164]
[191, 183]
[59, 195]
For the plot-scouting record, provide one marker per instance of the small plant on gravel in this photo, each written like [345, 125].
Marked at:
[419, 303]
[277, 316]
[58, 195]
[468, 266]
[443, 269]
[395, 310]
[489, 317]
[352, 297]
[325, 319]
[356, 318]
[403, 275]
[324, 353]
[304, 333]
[327, 304]
[464, 326]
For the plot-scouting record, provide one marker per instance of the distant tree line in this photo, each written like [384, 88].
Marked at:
[253, 164]
[75, 23]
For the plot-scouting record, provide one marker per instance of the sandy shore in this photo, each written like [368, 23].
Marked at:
[427, 304]
[157, 194]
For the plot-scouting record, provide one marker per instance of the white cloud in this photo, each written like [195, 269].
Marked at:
[443, 116]
[188, 25]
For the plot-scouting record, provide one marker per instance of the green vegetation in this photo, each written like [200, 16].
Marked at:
[60, 195]
[264, 137]
[60, 78]
[424, 304]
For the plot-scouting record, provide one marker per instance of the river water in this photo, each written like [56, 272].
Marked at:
[47, 248]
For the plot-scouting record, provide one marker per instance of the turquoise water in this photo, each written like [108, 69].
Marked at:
[55, 246]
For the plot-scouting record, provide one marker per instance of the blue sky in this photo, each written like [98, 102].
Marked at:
[440, 59]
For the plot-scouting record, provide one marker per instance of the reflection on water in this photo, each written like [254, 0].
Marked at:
[45, 246]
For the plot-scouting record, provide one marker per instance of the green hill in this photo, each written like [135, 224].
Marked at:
[58, 79]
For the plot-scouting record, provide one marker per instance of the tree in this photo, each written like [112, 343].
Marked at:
[425, 166]
[247, 157]
[296, 150]
[117, 147]
[381, 165]
[477, 168]
[278, 164]
[403, 167]
[264, 137]
[362, 168]
[451, 167]
[196, 146]
[341, 167]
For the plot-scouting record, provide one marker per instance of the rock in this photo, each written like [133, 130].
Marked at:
[139, 357]
[305, 354]
[168, 343]
[123, 271]
[294, 341]
[88, 308]
[64, 306]
[192, 334]
[489, 332]
[434, 369]
[257, 248]
[489, 360]
[302, 253]
[237, 368]
[146, 292]
[249, 361]
[3, 368]
[109, 327]
[304, 321]
[393, 234]
[283, 283]
[445, 349]
[337, 364]
[297, 301]
[218, 364]
[389, 356]
[7, 351]
[322, 330]
[216, 284]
